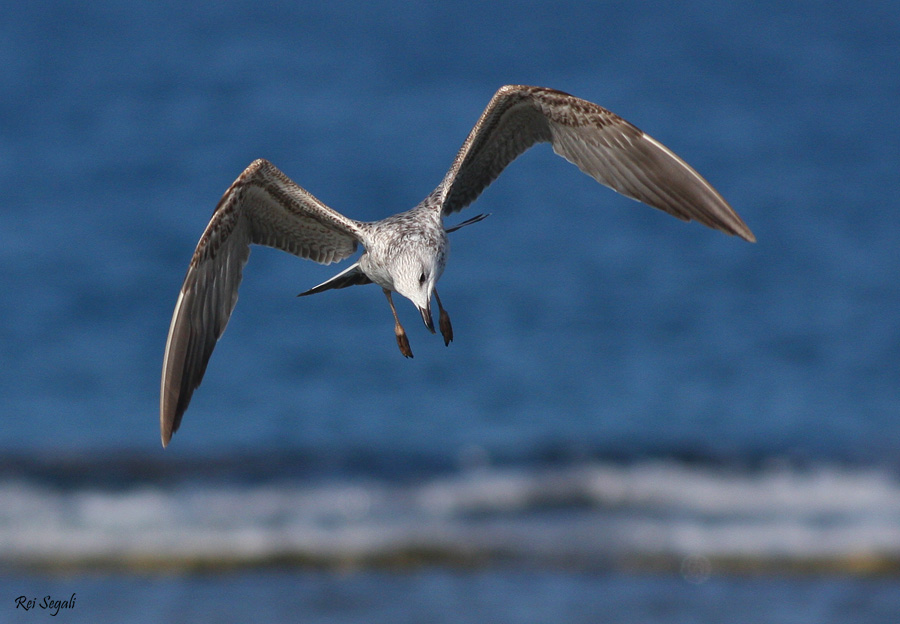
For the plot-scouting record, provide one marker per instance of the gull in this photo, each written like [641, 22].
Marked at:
[406, 253]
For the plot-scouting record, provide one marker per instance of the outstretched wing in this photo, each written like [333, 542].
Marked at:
[263, 206]
[597, 141]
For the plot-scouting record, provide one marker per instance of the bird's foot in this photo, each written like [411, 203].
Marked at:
[403, 343]
[446, 328]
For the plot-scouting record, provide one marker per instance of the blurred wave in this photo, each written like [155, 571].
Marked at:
[654, 514]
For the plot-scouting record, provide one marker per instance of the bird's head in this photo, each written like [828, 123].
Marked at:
[416, 278]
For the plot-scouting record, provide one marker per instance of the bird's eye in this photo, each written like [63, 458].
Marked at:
[422, 278]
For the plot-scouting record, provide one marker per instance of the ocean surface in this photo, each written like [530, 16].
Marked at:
[639, 420]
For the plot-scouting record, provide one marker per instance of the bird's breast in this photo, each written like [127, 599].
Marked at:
[377, 269]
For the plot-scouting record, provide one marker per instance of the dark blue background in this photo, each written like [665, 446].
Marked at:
[587, 326]
[584, 322]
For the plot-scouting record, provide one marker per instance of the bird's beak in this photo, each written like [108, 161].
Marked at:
[426, 316]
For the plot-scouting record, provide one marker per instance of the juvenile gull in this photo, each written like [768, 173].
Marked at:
[406, 253]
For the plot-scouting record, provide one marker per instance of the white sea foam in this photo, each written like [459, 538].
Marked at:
[584, 514]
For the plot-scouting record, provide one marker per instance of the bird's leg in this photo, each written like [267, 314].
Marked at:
[444, 322]
[402, 340]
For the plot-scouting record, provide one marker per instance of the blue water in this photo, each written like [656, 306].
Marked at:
[452, 597]
[592, 334]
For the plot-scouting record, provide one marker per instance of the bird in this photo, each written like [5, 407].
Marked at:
[406, 253]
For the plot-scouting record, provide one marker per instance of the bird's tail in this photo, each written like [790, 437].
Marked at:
[351, 276]
[468, 222]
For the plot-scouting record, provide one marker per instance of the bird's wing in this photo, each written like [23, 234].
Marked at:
[263, 206]
[597, 141]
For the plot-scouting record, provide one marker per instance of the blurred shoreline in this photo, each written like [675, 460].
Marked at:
[651, 515]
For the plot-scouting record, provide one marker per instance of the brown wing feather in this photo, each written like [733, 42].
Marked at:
[597, 141]
[264, 207]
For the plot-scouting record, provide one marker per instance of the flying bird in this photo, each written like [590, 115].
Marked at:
[406, 253]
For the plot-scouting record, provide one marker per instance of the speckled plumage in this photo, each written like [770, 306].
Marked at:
[407, 252]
